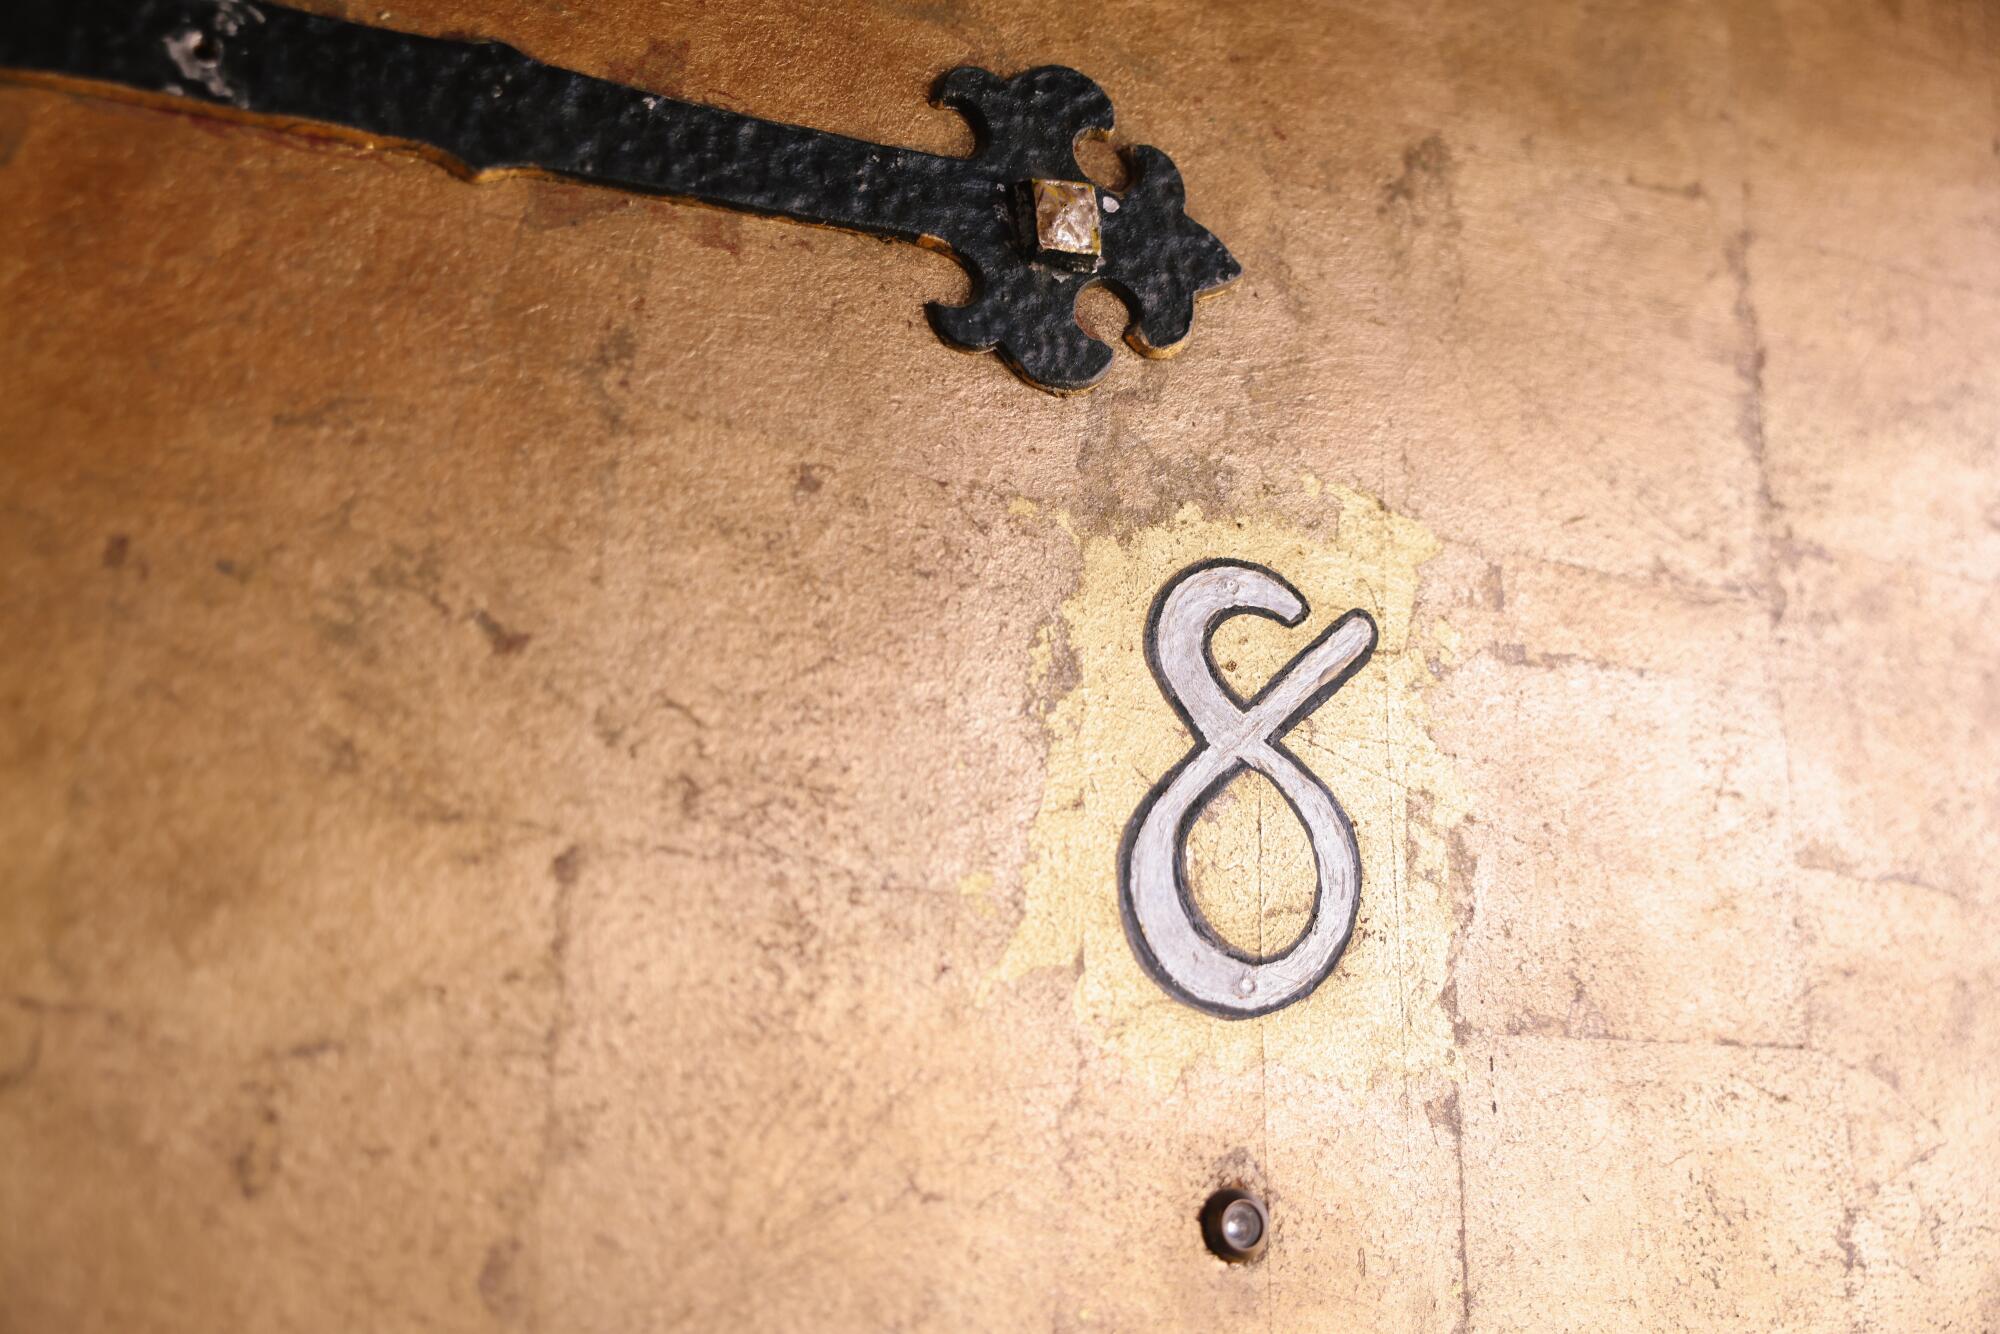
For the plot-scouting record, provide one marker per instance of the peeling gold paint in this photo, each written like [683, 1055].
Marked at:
[1111, 735]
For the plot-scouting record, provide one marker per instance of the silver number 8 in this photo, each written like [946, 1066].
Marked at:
[1171, 937]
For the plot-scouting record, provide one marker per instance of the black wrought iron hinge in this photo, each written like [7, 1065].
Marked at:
[1020, 214]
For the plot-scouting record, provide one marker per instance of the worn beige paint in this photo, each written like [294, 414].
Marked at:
[427, 901]
[1112, 735]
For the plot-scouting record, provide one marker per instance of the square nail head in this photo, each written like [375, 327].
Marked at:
[1060, 223]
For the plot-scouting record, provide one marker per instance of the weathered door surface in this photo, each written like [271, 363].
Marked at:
[565, 759]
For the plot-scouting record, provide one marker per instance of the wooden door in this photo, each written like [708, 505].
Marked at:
[564, 759]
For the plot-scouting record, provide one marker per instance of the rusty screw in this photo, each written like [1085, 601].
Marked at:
[1235, 1225]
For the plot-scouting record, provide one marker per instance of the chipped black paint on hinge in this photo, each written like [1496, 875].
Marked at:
[492, 109]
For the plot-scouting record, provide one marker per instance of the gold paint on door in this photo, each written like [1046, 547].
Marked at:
[538, 727]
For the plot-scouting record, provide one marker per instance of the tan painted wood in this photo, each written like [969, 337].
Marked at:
[560, 756]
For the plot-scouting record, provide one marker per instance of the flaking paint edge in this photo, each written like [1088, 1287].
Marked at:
[1110, 734]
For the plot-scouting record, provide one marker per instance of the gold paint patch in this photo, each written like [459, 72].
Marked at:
[1112, 735]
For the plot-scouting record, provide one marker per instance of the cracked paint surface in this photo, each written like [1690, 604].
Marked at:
[433, 896]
